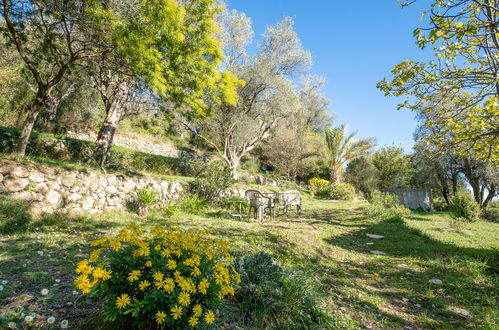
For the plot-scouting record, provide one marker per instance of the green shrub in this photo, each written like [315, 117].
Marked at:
[210, 182]
[170, 210]
[165, 277]
[271, 296]
[439, 204]
[14, 216]
[225, 202]
[316, 185]
[141, 200]
[491, 213]
[340, 191]
[385, 206]
[384, 199]
[464, 206]
[192, 204]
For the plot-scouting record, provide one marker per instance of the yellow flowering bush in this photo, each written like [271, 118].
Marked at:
[317, 184]
[165, 277]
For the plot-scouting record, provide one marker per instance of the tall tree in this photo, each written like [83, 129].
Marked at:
[341, 148]
[45, 34]
[268, 95]
[165, 46]
[394, 167]
[464, 35]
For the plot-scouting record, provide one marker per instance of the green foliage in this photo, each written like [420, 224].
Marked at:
[163, 277]
[315, 185]
[193, 204]
[385, 206]
[340, 191]
[141, 200]
[394, 167]
[491, 213]
[212, 180]
[225, 202]
[14, 216]
[362, 173]
[439, 204]
[271, 296]
[464, 206]
[455, 93]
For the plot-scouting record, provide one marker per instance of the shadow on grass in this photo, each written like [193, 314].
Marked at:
[469, 275]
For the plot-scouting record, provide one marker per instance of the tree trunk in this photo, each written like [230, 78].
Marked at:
[233, 165]
[114, 112]
[34, 110]
[490, 196]
[336, 175]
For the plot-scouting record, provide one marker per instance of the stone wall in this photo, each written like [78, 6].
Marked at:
[51, 189]
[161, 149]
[412, 198]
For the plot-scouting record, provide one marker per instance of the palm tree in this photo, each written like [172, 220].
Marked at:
[341, 148]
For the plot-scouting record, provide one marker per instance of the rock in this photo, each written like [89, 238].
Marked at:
[436, 281]
[369, 243]
[402, 266]
[103, 182]
[36, 177]
[1, 177]
[74, 197]
[459, 311]
[112, 181]
[375, 236]
[111, 190]
[23, 196]
[15, 170]
[2, 188]
[41, 188]
[14, 184]
[54, 198]
[68, 180]
[378, 252]
[87, 203]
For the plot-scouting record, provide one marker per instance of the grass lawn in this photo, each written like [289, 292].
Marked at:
[329, 243]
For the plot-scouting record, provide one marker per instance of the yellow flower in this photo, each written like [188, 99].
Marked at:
[157, 247]
[193, 321]
[84, 268]
[198, 310]
[94, 255]
[143, 285]
[83, 283]
[134, 275]
[203, 285]
[148, 264]
[176, 274]
[165, 253]
[184, 299]
[123, 301]
[195, 272]
[172, 264]
[101, 273]
[158, 276]
[168, 285]
[160, 317]
[176, 312]
[209, 317]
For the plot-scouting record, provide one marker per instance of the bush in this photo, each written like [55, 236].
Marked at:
[225, 202]
[385, 206]
[439, 204]
[14, 216]
[166, 277]
[271, 296]
[210, 182]
[316, 185]
[491, 213]
[192, 204]
[141, 200]
[341, 191]
[464, 206]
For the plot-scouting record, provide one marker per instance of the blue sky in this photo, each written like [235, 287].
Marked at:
[354, 44]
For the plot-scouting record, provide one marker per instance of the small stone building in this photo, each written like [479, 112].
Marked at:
[413, 198]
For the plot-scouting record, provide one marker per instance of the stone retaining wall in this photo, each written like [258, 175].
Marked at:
[413, 198]
[51, 189]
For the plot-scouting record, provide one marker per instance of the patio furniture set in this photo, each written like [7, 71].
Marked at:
[265, 203]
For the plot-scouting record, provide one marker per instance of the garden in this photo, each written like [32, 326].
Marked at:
[162, 166]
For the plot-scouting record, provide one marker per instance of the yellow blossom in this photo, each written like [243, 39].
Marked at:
[176, 312]
[171, 264]
[123, 301]
[160, 317]
[134, 275]
[165, 253]
[158, 276]
[148, 264]
[197, 310]
[184, 299]
[101, 273]
[209, 317]
[143, 285]
[203, 285]
[195, 272]
[168, 285]
[193, 321]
